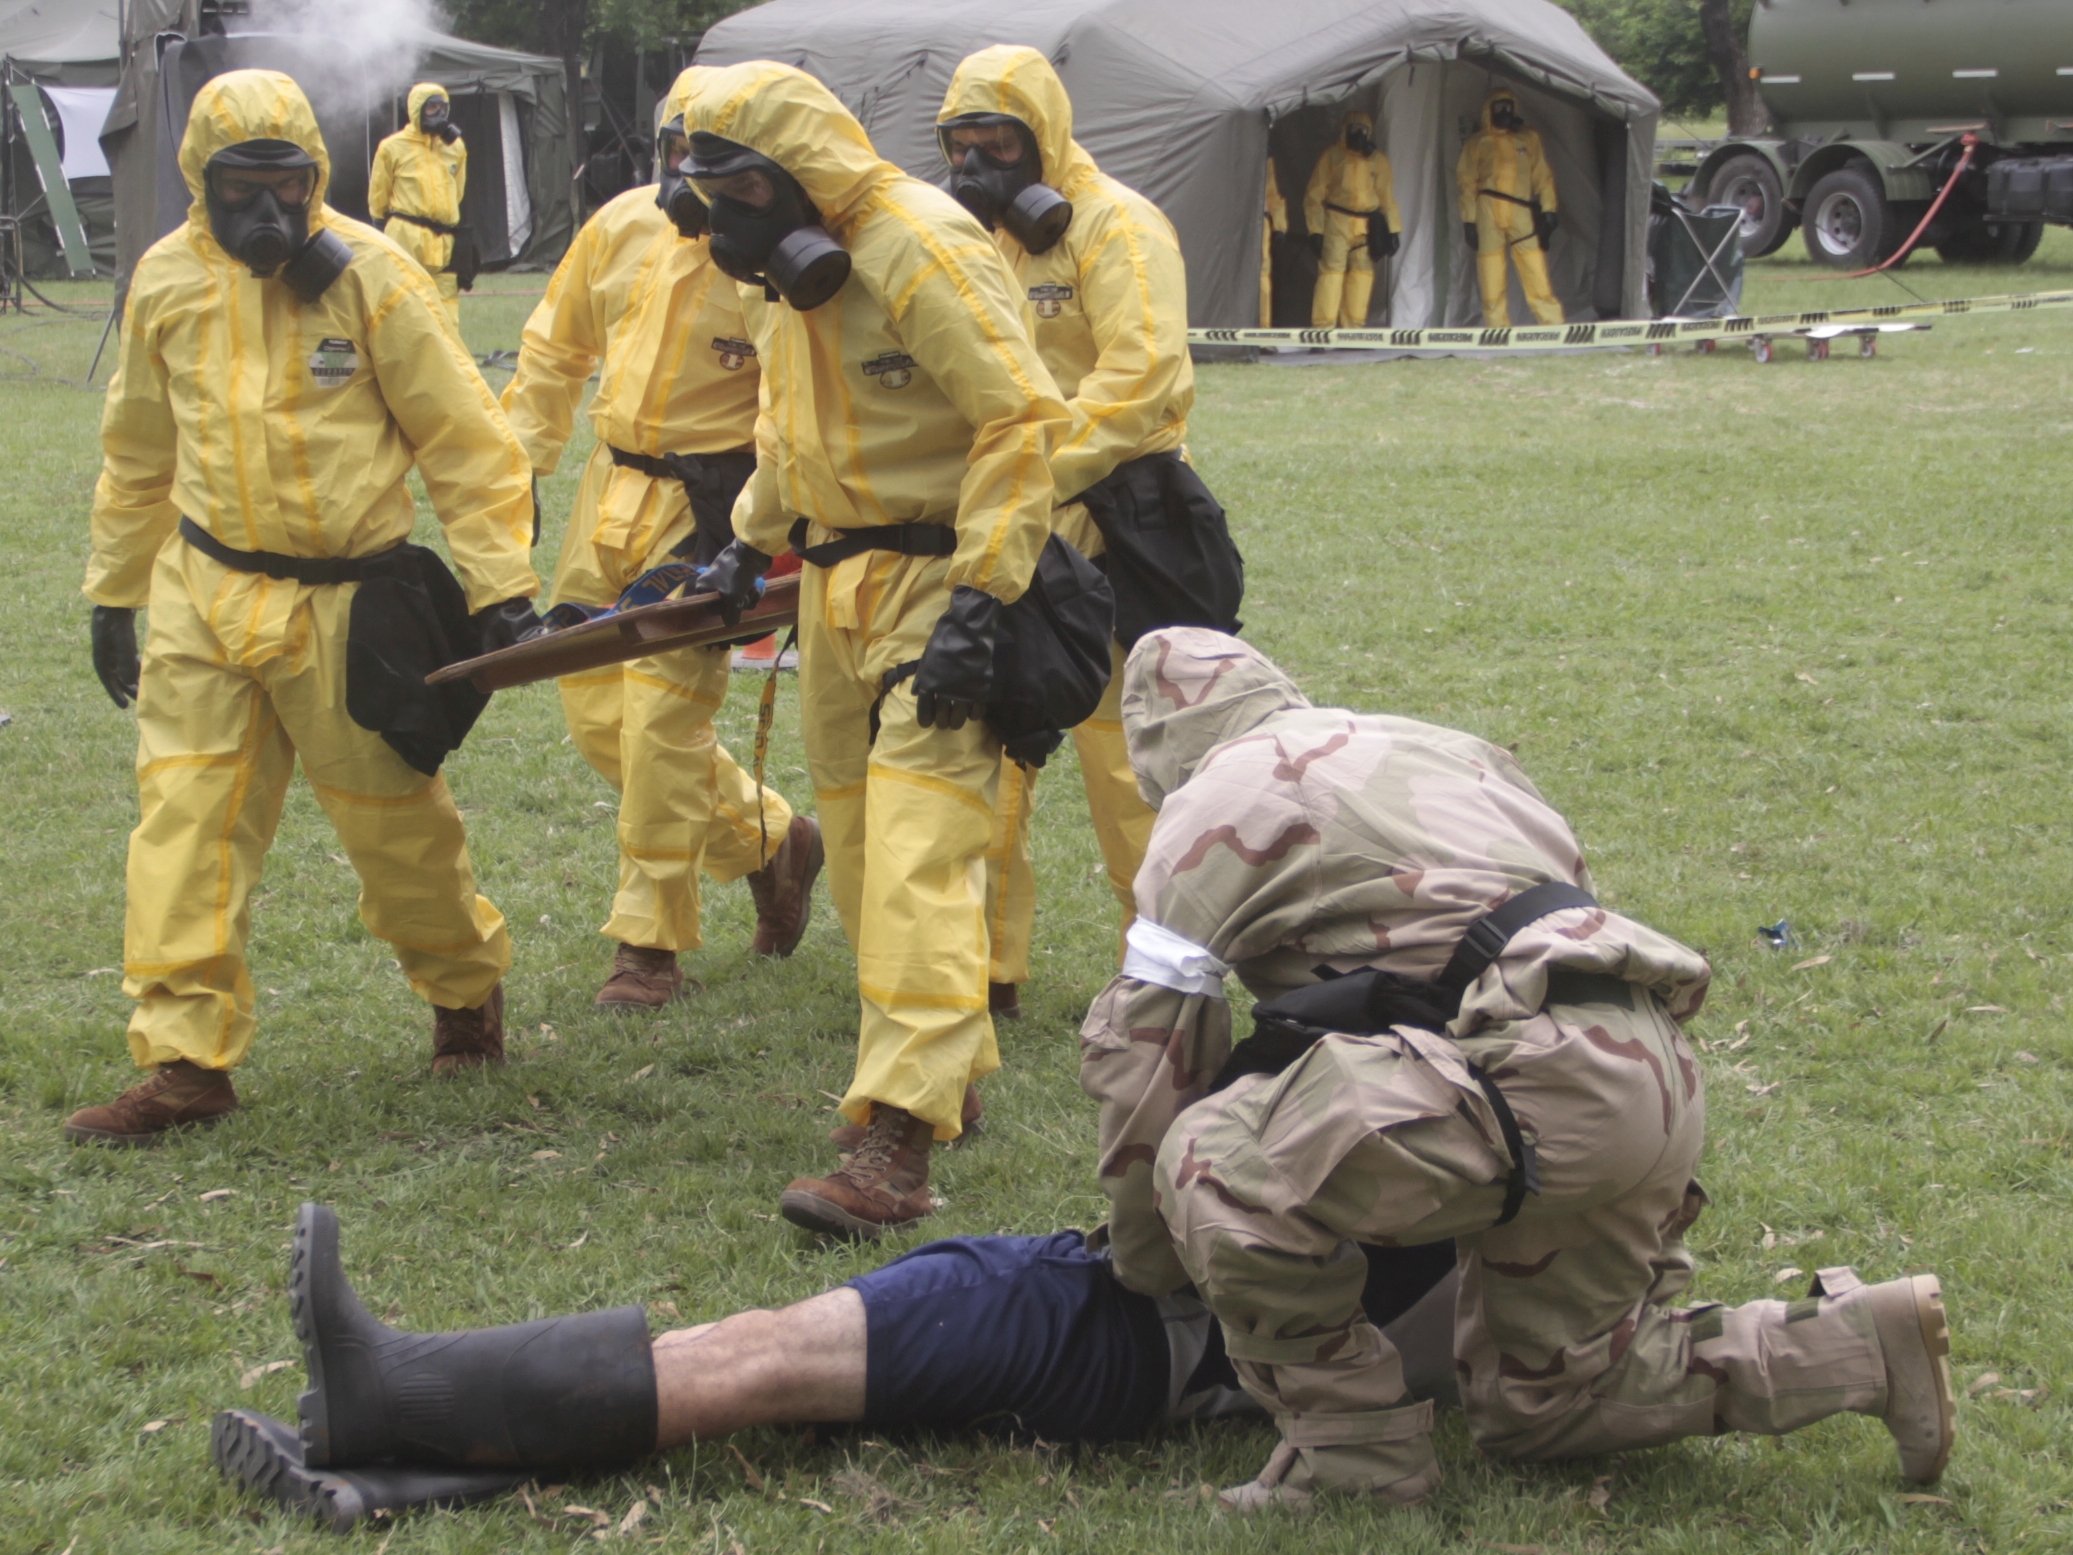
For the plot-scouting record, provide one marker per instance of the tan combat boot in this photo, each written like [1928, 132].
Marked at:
[1383, 1453]
[881, 1186]
[783, 889]
[180, 1095]
[642, 979]
[849, 1135]
[1921, 1410]
[468, 1039]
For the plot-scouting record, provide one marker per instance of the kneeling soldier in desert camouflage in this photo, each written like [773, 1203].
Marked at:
[1455, 1040]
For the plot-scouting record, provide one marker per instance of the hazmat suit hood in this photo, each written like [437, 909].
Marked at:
[1020, 83]
[1187, 690]
[421, 94]
[1359, 119]
[1502, 94]
[800, 125]
[243, 105]
[677, 105]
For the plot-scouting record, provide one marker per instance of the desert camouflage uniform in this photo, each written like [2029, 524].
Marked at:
[1292, 837]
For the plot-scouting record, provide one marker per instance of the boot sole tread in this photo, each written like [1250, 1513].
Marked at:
[817, 1214]
[248, 1455]
[310, 1407]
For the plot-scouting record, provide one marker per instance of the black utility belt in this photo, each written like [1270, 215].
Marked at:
[1345, 211]
[320, 571]
[443, 228]
[904, 539]
[673, 467]
[1367, 1003]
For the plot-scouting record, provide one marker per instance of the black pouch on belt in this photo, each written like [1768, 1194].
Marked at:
[1170, 557]
[1051, 660]
[410, 618]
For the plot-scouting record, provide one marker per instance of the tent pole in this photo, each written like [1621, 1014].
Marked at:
[107, 329]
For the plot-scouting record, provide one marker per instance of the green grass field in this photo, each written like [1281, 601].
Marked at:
[1784, 641]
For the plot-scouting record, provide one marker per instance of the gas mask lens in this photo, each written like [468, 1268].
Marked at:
[258, 197]
[1358, 140]
[1504, 114]
[764, 227]
[998, 177]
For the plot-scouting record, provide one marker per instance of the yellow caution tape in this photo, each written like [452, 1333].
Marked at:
[1622, 332]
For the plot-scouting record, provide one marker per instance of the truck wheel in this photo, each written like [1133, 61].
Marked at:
[1992, 243]
[1846, 220]
[1749, 182]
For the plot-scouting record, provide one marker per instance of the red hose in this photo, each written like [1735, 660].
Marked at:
[1970, 142]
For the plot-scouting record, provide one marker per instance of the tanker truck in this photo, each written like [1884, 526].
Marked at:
[1874, 106]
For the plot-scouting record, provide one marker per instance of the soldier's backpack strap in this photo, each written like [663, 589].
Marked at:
[1488, 935]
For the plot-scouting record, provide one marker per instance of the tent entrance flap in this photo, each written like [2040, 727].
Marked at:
[50, 169]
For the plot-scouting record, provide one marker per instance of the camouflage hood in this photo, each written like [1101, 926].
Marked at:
[1187, 690]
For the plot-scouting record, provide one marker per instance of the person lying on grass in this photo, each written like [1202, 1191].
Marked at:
[1027, 1336]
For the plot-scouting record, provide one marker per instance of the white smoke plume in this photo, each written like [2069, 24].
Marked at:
[361, 53]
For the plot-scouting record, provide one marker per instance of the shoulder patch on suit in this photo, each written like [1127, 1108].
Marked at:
[333, 362]
[734, 353]
[1050, 300]
[892, 369]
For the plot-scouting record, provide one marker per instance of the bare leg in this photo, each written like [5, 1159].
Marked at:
[802, 1362]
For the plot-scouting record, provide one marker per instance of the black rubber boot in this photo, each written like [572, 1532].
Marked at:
[561, 1393]
[264, 1456]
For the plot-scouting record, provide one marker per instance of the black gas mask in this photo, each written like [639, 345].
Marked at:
[674, 195]
[262, 228]
[1504, 115]
[1360, 140]
[1006, 194]
[436, 118]
[780, 245]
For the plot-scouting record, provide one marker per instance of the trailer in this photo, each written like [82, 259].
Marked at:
[1880, 107]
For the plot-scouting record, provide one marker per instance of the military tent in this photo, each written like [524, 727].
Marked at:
[67, 54]
[1186, 100]
[512, 107]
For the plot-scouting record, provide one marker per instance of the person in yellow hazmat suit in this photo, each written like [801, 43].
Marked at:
[1108, 305]
[415, 186]
[903, 446]
[675, 417]
[281, 369]
[1508, 207]
[1273, 219]
[1350, 211]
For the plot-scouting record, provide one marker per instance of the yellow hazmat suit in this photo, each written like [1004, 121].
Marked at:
[679, 377]
[913, 395]
[1347, 190]
[1273, 219]
[1109, 309]
[421, 174]
[286, 427]
[1503, 175]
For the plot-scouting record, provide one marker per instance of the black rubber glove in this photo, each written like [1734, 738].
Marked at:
[1544, 225]
[1382, 243]
[513, 621]
[733, 576]
[1475, 242]
[1316, 242]
[115, 652]
[537, 523]
[956, 674]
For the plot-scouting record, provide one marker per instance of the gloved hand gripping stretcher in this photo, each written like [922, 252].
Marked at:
[633, 629]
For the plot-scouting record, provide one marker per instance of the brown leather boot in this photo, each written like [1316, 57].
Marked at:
[1004, 1001]
[180, 1095]
[883, 1186]
[468, 1039]
[849, 1135]
[642, 979]
[783, 888]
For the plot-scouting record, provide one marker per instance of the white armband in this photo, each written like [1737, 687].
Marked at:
[1155, 954]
